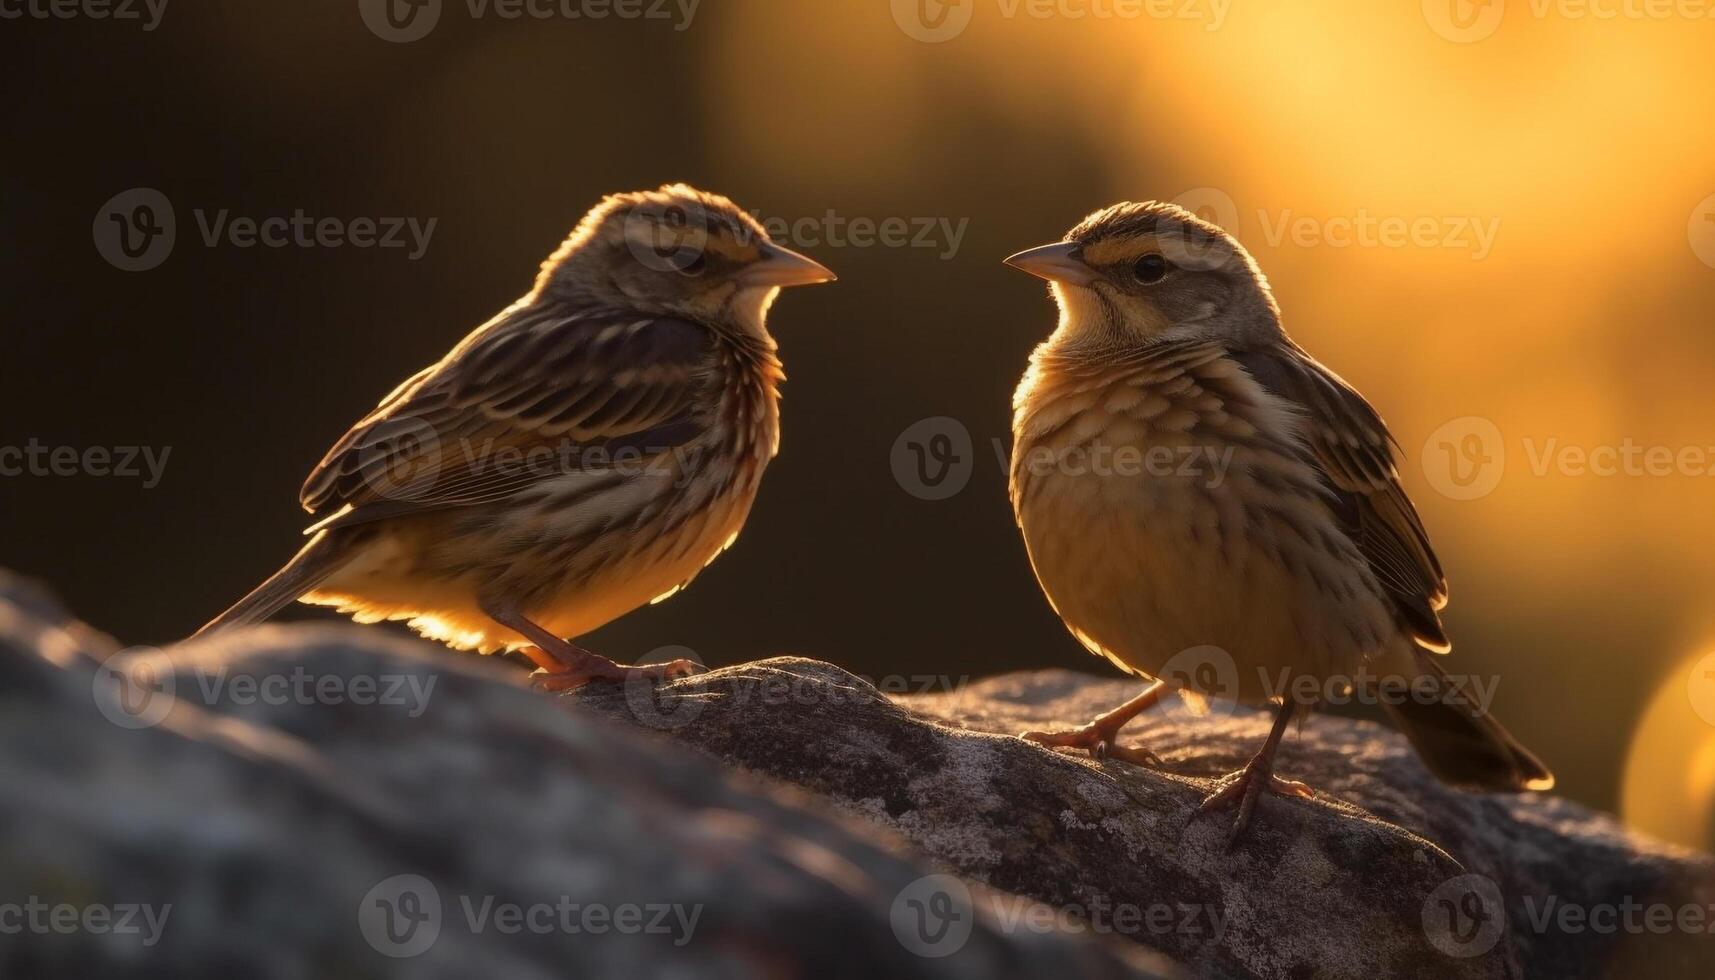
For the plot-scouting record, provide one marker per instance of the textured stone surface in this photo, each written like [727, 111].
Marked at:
[1386, 874]
[260, 798]
[258, 793]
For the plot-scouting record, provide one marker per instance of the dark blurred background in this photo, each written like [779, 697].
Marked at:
[1580, 147]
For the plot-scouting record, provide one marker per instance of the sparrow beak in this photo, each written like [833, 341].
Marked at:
[1058, 262]
[780, 266]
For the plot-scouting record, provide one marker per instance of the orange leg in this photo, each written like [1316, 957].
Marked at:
[563, 665]
[1258, 775]
[1099, 736]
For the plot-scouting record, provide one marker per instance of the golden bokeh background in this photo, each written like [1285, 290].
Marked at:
[1497, 219]
[1579, 145]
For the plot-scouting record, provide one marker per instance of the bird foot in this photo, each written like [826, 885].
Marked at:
[1098, 740]
[593, 667]
[1246, 786]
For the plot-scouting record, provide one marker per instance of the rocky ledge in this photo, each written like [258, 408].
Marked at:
[292, 802]
[1387, 873]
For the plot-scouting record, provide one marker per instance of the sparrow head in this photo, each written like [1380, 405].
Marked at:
[678, 252]
[1135, 272]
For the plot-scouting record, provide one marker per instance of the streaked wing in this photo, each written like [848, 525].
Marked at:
[1356, 453]
[522, 400]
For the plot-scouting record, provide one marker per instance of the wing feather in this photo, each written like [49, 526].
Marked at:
[526, 383]
[1357, 455]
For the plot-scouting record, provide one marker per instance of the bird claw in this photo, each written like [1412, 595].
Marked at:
[1097, 741]
[1247, 785]
[602, 669]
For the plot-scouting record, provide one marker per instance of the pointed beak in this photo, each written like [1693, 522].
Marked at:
[780, 266]
[1058, 262]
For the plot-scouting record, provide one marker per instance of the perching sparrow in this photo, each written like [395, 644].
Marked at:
[1301, 557]
[587, 450]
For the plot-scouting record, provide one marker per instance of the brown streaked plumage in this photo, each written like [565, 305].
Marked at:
[586, 451]
[1292, 549]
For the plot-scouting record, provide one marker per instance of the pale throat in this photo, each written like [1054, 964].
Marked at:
[749, 308]
[1085, 318]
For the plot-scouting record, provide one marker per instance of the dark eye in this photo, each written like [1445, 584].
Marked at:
[697, 265]
[1152, 268]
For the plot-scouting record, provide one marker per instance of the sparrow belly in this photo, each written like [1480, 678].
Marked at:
[1187, 549]
[572, 554]
[646, 568]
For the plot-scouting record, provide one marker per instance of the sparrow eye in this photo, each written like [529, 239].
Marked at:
[697, 265]
[1152, 268]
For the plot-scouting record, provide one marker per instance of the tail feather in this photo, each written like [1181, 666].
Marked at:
[309, 568]
[1460, 742]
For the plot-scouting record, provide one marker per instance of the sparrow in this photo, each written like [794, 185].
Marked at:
[1301, 559]
[588, 450]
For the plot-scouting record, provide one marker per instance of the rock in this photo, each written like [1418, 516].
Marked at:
[337, 802]
[1387, 874]
[333, 802]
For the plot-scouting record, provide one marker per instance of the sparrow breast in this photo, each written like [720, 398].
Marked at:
[1168, 505]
